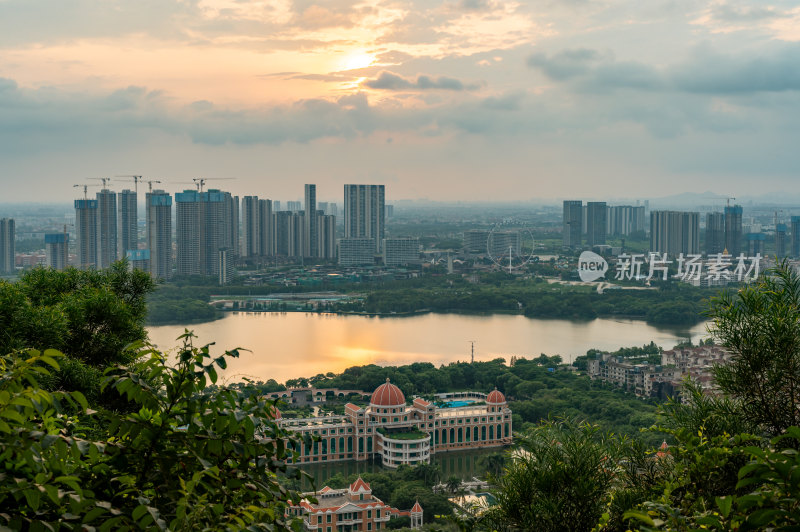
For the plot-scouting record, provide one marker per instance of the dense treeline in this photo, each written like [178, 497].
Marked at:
[186, 300]
[174, 304]
[535, 392]
[113, 435]
[670, 304]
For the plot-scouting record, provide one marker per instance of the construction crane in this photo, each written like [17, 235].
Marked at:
[136, 179]
[85, 190]
[728, 201]
[150, 184]
[105, 181]
[200, 181]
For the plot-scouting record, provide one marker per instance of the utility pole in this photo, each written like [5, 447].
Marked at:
[472, 343]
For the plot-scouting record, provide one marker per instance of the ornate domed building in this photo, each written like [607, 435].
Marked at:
[406, 434]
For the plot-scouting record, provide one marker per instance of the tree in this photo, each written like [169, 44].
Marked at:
[760, 325]
[559, 480]
[184, 458]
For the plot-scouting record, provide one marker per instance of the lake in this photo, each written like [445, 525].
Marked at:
[295, 344]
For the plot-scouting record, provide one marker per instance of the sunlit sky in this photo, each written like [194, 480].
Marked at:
[446, 100]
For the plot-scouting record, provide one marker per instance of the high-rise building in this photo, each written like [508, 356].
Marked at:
[230, 223]
[674, 232]
[572, 224]
[202, 228]
[225, 267]
[596, 216]
[326, 236]
[7, 246]
[624, 220]
[86, 229]
[128, 222]
[780, 240]
[755, 243]
[138, 259]
[297, 232]
[733, 230]
[107, 250]
[401, 252]
[356, 251]
[56, 247]
[159, 233]
[795, 236]
[265, 246]
[365, 213]
[251, 227]
[281, 221]
[310, 240]
[294, 206]
[715, 233]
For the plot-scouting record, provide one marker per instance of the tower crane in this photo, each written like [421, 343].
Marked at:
[136, 179]
[728, 201]
[201, 181]
[105, 181]
[85, 190]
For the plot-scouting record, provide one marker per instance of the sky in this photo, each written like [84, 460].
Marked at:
[445, 100]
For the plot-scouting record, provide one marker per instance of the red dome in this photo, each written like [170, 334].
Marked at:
[495, 397]
[387, 394]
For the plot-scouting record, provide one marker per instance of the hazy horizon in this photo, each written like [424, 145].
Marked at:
[455, 100]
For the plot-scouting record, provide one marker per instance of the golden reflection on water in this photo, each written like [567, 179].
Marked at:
[290, 345]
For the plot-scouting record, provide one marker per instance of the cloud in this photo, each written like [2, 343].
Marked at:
[565, 64]
[706, 71]
[710, 72]
[394, 82]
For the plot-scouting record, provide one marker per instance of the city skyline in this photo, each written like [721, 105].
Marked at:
[458, 99]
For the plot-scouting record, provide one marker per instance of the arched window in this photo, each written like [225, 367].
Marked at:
[491, 432]
[436, 437]
[325, 446]
[483, 433]
[444, 436]
[333, 445]
[369, 445]
[468, 433]
[506, 431]
[349, 444]
[460, 435]
[361, 445]
[452, 435]
[475, 434]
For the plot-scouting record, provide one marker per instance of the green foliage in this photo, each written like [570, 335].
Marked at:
[559, 479]
[766, 496]
[183, 458]
[760, 325]
[89, 315]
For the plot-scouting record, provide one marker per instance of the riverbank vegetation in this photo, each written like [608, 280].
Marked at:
[670, 303]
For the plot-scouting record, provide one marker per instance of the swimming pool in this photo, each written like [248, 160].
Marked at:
[456, 404]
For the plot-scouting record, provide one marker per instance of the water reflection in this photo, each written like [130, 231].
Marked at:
[289, 345]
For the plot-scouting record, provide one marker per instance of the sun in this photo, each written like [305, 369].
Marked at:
[356, 59]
